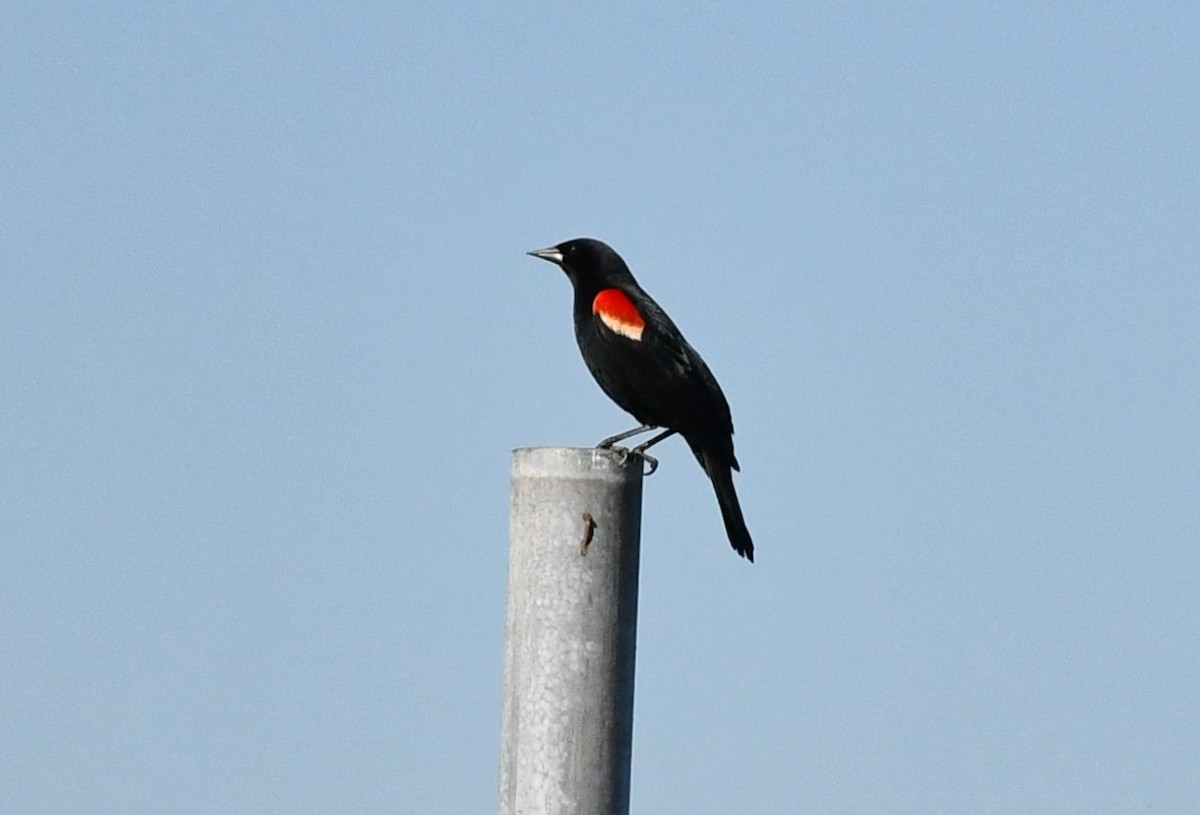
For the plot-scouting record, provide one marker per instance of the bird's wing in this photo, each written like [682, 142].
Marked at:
[685, 388]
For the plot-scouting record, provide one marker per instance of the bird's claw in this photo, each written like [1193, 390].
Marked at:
[624, 453]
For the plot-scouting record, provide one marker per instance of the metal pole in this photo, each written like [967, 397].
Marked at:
[570, 632]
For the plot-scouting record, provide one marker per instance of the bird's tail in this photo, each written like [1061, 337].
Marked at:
[720, 472]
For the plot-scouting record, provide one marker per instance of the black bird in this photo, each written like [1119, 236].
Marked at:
[641, 360]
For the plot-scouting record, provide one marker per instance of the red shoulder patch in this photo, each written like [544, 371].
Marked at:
[617, 311]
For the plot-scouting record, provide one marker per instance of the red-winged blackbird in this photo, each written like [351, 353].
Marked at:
[641, 360]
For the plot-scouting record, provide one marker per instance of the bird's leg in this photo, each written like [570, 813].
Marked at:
[611, 440]
[641, 449]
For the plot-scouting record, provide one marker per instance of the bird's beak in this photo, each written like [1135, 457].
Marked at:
[550, 253]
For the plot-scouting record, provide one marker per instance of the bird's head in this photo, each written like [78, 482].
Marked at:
[587, 261]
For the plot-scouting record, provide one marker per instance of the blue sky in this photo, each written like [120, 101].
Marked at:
[268, 334]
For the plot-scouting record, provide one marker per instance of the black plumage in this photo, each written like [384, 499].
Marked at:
[642, 361]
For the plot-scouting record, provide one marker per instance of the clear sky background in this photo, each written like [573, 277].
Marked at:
[268, 336]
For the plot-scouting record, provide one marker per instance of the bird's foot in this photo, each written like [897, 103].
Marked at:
[650, 460]
[624, 454]
[621, 452]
